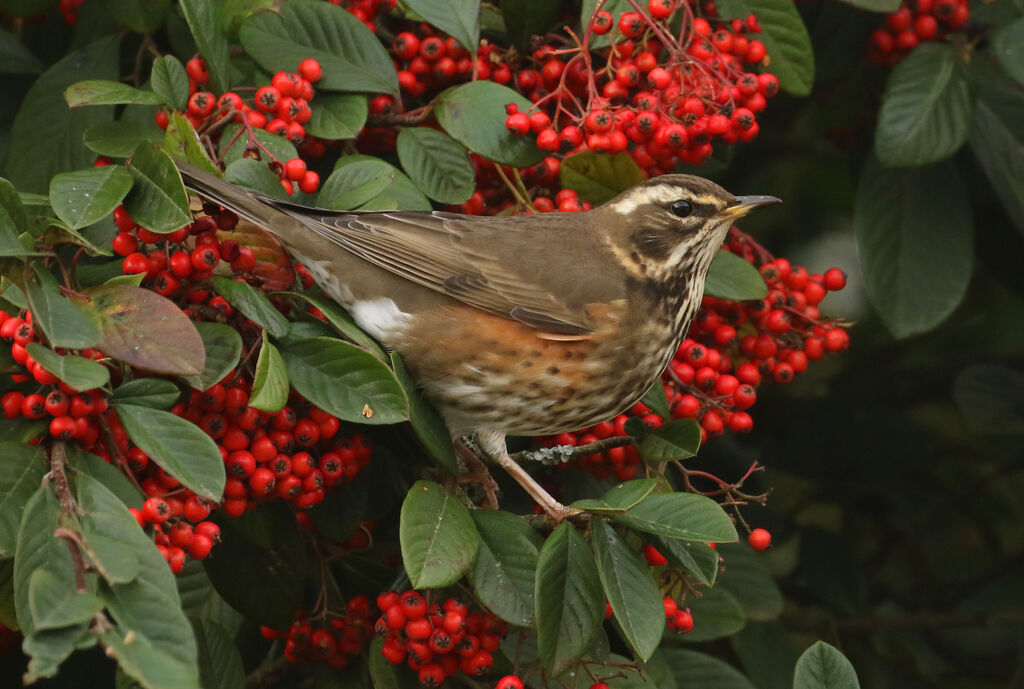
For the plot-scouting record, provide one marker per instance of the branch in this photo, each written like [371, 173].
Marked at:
[68, 508]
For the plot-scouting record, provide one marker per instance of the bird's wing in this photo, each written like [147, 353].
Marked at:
[493, 265]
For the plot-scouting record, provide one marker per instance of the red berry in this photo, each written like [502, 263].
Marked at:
[654, 557]
[156, 510]
[631, 24]
[759, 539]
[310, 70]
[681, 622]
[660, 9]
[602, 22]
[509, 682]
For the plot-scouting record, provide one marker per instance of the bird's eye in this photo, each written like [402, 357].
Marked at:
[681, 208]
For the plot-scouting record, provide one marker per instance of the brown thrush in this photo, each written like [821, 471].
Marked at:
[522, 325]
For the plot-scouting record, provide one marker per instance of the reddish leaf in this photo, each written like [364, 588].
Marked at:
[143, 329]
[272, 263]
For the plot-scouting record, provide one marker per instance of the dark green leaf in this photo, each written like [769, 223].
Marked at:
[21, 473]
[278, 145]
[991, 399]
[823, 667]
[147, 392]
[16, 58]
[526, 18]
[352, 58]
[39, 549]
[150, 666]
[170, 80]
[141, 328]
[716, 615]
[474, 114]
[253, 304]
[341, 321]
[457, 18]
[914, 233]
[619, 498]
[142, 16]
[220, 664]
[13, 221]
[427, 423]
[384, 675]
[255, 175]
[338, 116]
[46, 137]
[103, 92]
[600, 177]
[353, 185]
[108, 474]
[437, 164]
[78, 372]
[569, 599]
[119, 139]
[1001, 156]
[178, 446]
[686, 516]
[270, 382]
[345, 381]
[926, 109]
[784, 35]
[65, 323]
[223, 347]
[158, 200]
[108, 529]
[677, 439]
[204, 24]
[704, 671]
[628, 585]
[875, 5]
[504, 572]
[181, 141]
[48, 649]
[748, 580]
[82, 197]
[1008, 45]
[730, 277]
[54, 604]
[657, 401]
[698, 559]
[437, 535]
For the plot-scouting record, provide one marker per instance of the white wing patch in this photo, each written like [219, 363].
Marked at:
[380, 317]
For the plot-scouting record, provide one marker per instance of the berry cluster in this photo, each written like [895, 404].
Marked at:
[437, 640]
[335, 642]
[69, 10]
[679, 620]
[730, 349]
[916, 21]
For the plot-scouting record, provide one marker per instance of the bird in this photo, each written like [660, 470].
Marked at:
[520, 325]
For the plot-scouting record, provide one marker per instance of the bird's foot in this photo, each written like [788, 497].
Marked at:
[477, 473]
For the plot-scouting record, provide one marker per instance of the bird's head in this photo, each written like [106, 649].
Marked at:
[672, 224]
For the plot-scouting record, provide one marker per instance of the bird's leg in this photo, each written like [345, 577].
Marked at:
[493, 444]
[477, 473]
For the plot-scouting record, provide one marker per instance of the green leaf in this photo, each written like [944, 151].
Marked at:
[600, 177]
[220, 664]
[141, 328]
[991, 399]
[823, 667]
[352, 57]
[39, 549]
[203, 22]
[1001, 156]
[338, 116]
[108, 529]
[53, 604]
[437, 535]
[107, 474]
[254, 174]
[170, 80]
[474, 115]
[748, 580]
[82, 197]
[223, 347]
[526, 18]
[65, 323]
[178, 446]
[875, 5]
[784, 36]
[15, 58]
[181, 141]
[401, 193]
[1008, 45]
[158, 200]
[78, 372]
[459, 19]
[270, 382]
[621, 497]
[48, 649]
[344, 380]
[119, 139]
[341, 321]
[686, 516]
[698, 559]
[657, 401]
[926, 110]
[570, 600]
[151, 667]
[437, 164]
[677, 439]
[384, 675]
[103, 92]
[426, 422]
[141, 16]
[13, 221]
[701, 670]
[915, 238]
[730, 277]
[504, 572]
[21, 474]
[353, 185]
[147, 392]
[716, 615]
[46, 137]
[281, 147]
[628, 585]
[253, 304]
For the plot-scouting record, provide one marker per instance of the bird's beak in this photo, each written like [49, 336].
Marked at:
[745, 204]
